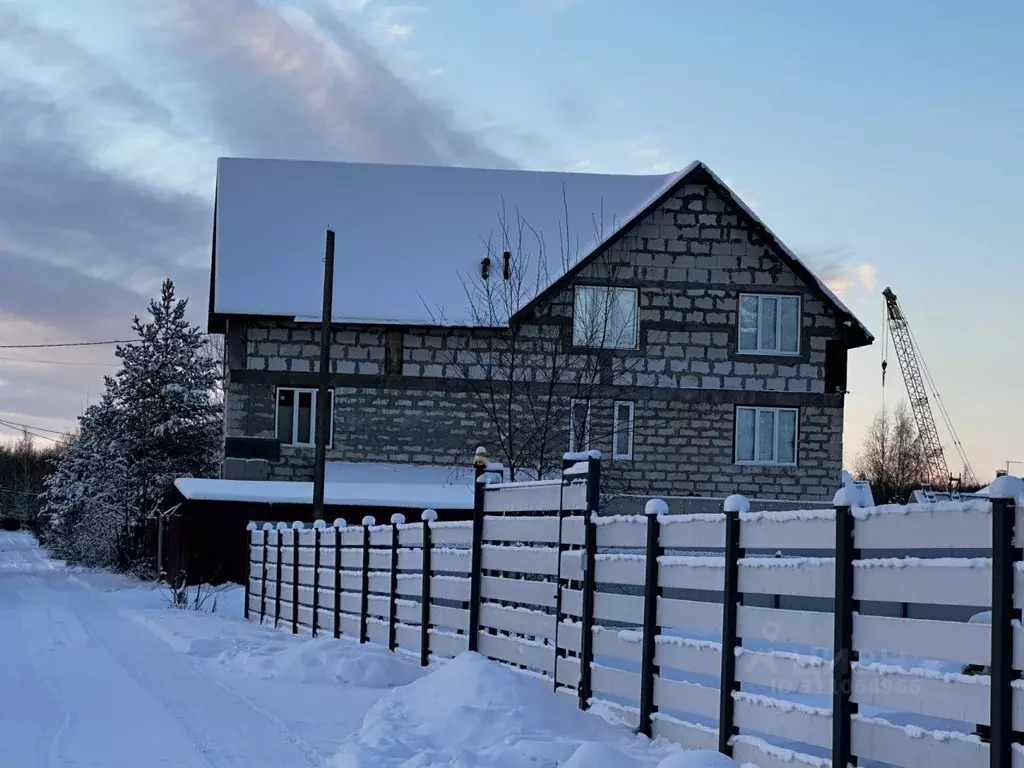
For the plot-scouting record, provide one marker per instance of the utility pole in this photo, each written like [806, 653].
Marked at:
[1008, 463]
[323, 395]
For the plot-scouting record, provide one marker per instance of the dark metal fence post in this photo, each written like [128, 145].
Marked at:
[648, 669]
[429, 516]
[248, 565]
[1005, 553]
[585, 689]
[296, 527]
[475, 571]
[843, 708]
[560, 653]
[339, 526]
[364, 603]
[397, 519]
[266, 568]
[318, 527]
[277, 585]
[734, 505]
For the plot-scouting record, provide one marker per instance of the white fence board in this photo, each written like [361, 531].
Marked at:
[574, 498]
[758, 532]
[447, 643]
[686, 614]
[378, 606]
[379, 582]
[810, 628]
[410, 535]
[351, 557]
[351, 580]
[619, 569]
[407, 637]
[539, 497]
[875, 740]
[622, 531]
[307, 537]
[380, 536]
[518, 591]
[410, 584]
[568, 671]
[675, 653]
[451, 618]
[678, 696]
[691, 572]
[510, 649]
[306, 576]
[785, 672]
[377, 632]
[917, 638]
[572, 530]
[569, 634]
[608, 606]
[380, 559]
[572, 566]
[810, 577]
[687, 735]
[615, 682]
[449, 588]
[519, 620]
[924, 528]
[757, 752]
[528, 530]
[442, 535]
[692, 532]
[538, 560]
[450, 560]
[410, 559]
[953, 699]
[920, 581]
[613, 642]
[767, 715]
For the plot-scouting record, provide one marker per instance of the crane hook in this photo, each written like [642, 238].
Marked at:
[885, 364]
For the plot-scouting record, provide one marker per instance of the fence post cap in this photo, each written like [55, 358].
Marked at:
[319, 524]
[282, 526]
[1006, 487]
[339, 523]
[429, 515]
[398, 519]
[298, 525]
[736, 503]
[251, 527]
[845, 497]
[656, 507]
[369, 520]
[268, 526]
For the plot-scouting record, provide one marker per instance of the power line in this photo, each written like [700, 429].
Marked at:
[68, 344]
[32, 426]
[58, 362]
[19, 428]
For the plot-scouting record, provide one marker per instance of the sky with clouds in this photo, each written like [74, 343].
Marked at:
[882, 142]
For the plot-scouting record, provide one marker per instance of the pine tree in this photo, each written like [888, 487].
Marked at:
[159, 419]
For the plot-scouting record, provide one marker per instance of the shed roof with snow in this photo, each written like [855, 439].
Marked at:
[409, 238]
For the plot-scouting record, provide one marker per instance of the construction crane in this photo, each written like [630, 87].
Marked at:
[918, 384]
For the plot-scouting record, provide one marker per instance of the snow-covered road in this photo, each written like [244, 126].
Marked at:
[88, 677]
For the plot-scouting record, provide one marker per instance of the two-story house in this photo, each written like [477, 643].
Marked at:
[655, 318]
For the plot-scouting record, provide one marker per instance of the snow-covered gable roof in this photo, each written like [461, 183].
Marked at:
[409, 238]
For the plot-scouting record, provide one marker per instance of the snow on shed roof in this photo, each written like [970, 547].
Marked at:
[407, 236]
[351, 484]
[410, 237]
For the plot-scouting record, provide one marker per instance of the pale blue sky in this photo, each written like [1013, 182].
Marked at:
[884, 142]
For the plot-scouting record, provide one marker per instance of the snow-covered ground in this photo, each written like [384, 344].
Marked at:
[97, 670]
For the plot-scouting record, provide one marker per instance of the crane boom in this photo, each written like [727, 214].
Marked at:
[903, 343]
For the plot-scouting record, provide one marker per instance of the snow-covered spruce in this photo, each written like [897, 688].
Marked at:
[158, 419]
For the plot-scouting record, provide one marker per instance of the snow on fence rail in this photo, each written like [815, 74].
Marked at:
[677, 620]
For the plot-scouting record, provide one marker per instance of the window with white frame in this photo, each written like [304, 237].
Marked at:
[769, 325]
[296, 417]
[622, 430]
[766, 435]
[579, 425]
[605, 316]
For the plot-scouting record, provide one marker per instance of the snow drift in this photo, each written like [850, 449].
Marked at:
[475, 713]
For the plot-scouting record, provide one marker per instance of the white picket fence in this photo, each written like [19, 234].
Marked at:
[912, 707]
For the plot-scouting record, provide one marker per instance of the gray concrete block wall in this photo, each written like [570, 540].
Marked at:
[690, 260]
